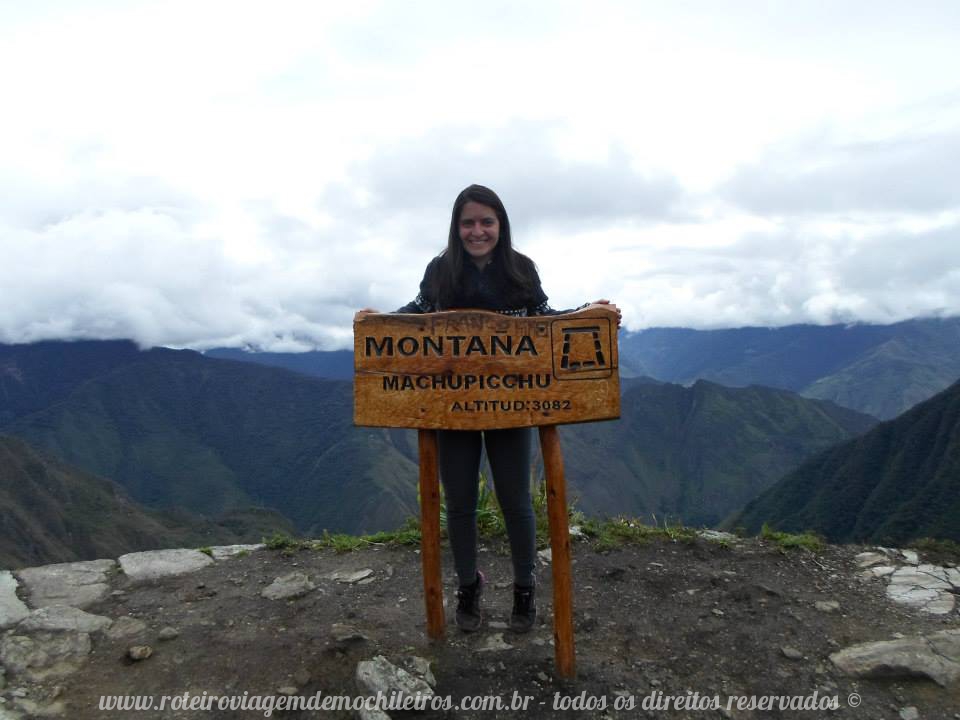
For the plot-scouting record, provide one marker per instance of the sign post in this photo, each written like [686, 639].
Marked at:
[476, 370]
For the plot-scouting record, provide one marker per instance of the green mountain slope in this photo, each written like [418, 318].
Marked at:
[898, 482]
[881, 370]
[180, 430]
[697, 454]
[55, 513]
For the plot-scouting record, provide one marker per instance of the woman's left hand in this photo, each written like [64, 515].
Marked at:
[610, 306]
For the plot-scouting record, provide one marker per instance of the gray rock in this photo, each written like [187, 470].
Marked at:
[350, 576]
[44, 654]
[495, 643]
[365, 714]
[869, 559]
[346, 633]
[287, 690]
[935, 656]
[791, 653]
[545, 555]
[224, 552]
[420, 667]
[125, 626]
[910, 557]
[78, 584]
[168, 633]
[12, 608]
[155, 564]
[926, 587]
[909, 713]
[138, 653]
[59, 618]
[717, 536]
[291, 585]
[380, 675]
[827, 606]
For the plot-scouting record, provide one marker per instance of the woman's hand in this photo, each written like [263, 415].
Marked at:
[609, 305]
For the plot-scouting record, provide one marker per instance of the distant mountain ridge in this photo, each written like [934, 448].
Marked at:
[880, 370]
[56, 513]
[178, 429]
[696, 454]
[896, 483]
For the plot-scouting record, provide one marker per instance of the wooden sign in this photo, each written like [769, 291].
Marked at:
[475, 370]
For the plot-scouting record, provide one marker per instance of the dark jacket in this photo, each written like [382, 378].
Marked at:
[486, 289]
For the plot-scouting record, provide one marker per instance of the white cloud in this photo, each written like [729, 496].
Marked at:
[228, 173]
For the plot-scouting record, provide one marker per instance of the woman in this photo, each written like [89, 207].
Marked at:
[480, 270]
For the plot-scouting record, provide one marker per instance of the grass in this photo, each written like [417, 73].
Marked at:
[615, 532]
[407, 534]
[939, 551]
[790, 541]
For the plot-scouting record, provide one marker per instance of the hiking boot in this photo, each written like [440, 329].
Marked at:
[469, 616]
[524, 609]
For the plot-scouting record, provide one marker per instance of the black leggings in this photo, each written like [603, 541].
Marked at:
[509, 455]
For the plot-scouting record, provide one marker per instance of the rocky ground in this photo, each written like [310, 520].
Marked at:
[703, 621]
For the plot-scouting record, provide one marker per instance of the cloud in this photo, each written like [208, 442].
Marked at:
[919, 173]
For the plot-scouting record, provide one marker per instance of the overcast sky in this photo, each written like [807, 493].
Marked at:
[226, 173]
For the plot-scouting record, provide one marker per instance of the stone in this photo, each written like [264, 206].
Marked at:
[44, 654]
[365, 714]
[910, 557]
[125, 626]
[287, 690]
[350, 576]
[827, 606]
[791, 653]
[12, 608]
[291, 585]
[380, 675]
[717, 536]
[925, 587]
[420, 667]
[224, 552]
[78, 584]
[881, 571]
[495, 643]
[869, 559]
[935, 656]
[909, 713]
[346, 633]
[154, 564]
[55, 618]
[546, 556]
[168, 633]
[139, 652]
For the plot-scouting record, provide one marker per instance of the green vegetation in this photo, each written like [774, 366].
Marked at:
[790, 541]
[407, 534]
[206, 551]
[894, 484]
[619, 531]
[938, 551]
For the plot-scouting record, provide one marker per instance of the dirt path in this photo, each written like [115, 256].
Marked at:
[654, 623]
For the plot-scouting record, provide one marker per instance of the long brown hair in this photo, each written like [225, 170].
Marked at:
[515, 267]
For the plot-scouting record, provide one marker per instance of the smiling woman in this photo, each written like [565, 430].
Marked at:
[480, 269]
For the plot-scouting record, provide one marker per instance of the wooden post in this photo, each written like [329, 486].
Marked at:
[560, 549]
[430, 533]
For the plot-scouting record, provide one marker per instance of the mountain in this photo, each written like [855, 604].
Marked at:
[898, 482]
[333, 365]
[55, 513]
[697, 454]
[881, 370]
[179, 430]
[35, 375]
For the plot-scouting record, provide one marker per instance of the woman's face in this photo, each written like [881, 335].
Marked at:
[479, 232]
